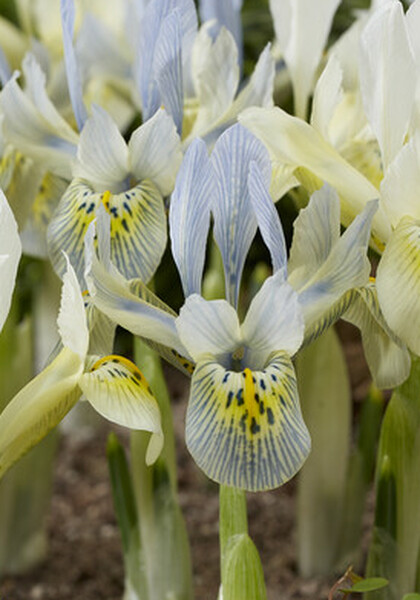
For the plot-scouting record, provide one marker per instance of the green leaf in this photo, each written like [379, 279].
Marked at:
[411, 597]
[368, 585]
[243, 575]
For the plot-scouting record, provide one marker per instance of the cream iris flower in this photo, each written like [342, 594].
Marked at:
[112, 384]
[376, 162]
[244, 425]
[10, 251]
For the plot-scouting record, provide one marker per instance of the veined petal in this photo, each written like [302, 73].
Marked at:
[246, 429]
[294, 142]
[346, 267]
[316, 231]
[155, 152]
[387, 77]
[215, 73]
[267, 218]
[235, 223]
[10, 252]
[167, 67]
[208, 327]
[101, 329]
[388, 359]
[138, 228]
[112, 295]
[119, 392]
[102, 155]
[74, 81]
[71, 320]
[398, 282]
[39, 407]
[274, 320]
[227, 14]
[189, 215]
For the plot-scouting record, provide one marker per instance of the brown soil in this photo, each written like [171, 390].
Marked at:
[84, 561]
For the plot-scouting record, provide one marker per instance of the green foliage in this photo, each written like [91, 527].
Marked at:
[367, 585]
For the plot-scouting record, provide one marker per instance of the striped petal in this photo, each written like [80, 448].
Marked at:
[227, 14]
[235, 223]
[120, 393]
[138, 228]
[267, 217]
[167, 67]
[189, 215]
[398, 282]
[155, 152]
[10, 252]
[39, 407]
[68, 13]
[246, 429]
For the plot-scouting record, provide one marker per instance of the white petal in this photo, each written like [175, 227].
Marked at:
[71, 319]
[189, 215]
[68, 11]
[316, 231]
[267, 218]
[398, 282]
[399, 187]
[120, 393]
[215, 72]
[234, 221]
[327, 95]
[274, 320]
[294, 142]
[346, 267]
[308, 26]
[227, 14]
[208, 327]
[39, 407]
[155, 151]
[102, 155]
[10, 252]
[388, 77]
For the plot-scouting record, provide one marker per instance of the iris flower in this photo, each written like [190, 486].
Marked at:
[244, 425]
[380, 160]
[112, 384]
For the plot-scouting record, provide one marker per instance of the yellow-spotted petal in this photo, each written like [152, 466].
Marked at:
[119, 392]
[138, 228]
[246, 429]
[39, 407]
[398, 282]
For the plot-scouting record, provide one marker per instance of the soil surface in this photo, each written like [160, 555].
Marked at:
[85, 562]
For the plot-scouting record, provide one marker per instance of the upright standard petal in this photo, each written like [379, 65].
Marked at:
[119, 392]
[388, 77]
[208, 327]
[167, 67]
[10, 252]
[246, 429]
[227, 14]
[235, 223]
[398, 282]
[73, 74]
[189, 215]
[155, 152]
[267, 218]
[327, 95]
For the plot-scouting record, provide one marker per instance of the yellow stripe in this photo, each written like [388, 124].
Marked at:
[105, 200]
[119, 360]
